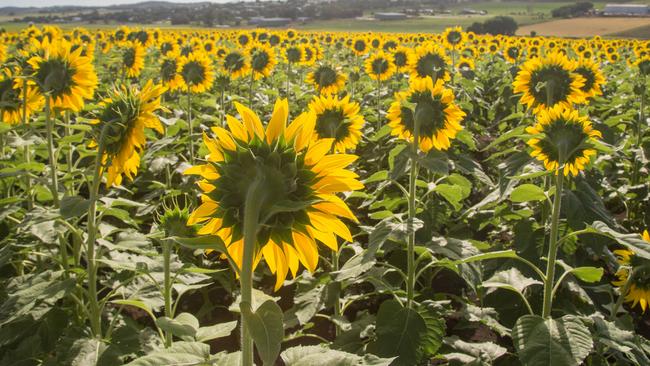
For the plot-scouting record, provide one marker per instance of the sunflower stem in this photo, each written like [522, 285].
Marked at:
[49, 124]
[624, 291]
[250, 89]
[378, 101]
[189, 122]
[252, 207]
[639, 134]
[553, 245]
[94, 312]
[70, 188]
[287, 81]
[27, 151]
[410, 252]
[167, 289]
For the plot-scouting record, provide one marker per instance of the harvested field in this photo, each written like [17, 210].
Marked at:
[584, 27]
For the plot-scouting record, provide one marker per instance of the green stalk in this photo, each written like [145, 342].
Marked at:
[639, 134]
[189, 122]
[27, 151]
[553, 245]
[413, 175]
[288, 80]
[167, 287]
[250, 89]
[49, 123]
[70, 189]
[378, 104]
[223, 109]
[252, 206]
[94, 312]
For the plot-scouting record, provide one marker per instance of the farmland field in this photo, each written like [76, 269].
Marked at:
[321, 197]
[585, 27]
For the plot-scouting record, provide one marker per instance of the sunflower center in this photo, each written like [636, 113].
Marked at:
[589, 77]
[55, 77]
[193, 73]
[332, 124]
[259, 61]
[430, 112]
[454, 37]
[325, 76]
[120, 116]
[551, 81]
[8, 95]
[360, 46]
[233, 61]
[431, 65]
[168, 69]
[400, 59]
[379, 66]
[128, 58]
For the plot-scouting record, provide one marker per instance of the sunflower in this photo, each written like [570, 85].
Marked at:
[326, 79]
[337, 119]
[263, 60]
[639, 289]
[512, 53]
[551, 77]
[235, 63]
[380, 66]
[429, 61]
[360, 46]
[562, 139]
[439, 117]
[465, 64]
[133, 59]
[453, 38]
[643, 63]
[169, 75]
[65, 77]
[12, 99]
[293, 54]
[196, 72]
[299, 205]
[593, 78]
[125, 114]
[401, 57]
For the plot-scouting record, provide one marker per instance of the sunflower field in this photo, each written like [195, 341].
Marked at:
[276, 197]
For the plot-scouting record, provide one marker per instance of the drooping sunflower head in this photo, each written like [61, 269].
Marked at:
[235, 63]
[297, 199]
[639, 290]
[326, 79]
[593, 77]
[429, 108]
[196, 72]
[133, 59]
[14, 101]
[429, 61]
[65, 77]
[549, 81]
[263, 60]
[337, 119]
[380, 66]
[563, 140]
[122, 120]
[453, 37]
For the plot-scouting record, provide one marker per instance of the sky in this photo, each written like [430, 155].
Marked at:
[42, 3]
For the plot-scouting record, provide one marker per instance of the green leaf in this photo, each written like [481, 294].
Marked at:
[183, 325]
[266, 329]
[74, 206]
[542, 342]
[452, 193]
[491, 255]
[399, 331]
[633, 242]
[179, 354]
[211, 332]
[202, 242]
[484, 353]
[322, 356]
[527, 192]
[138, 304]
[588, 274]
[86, 352]
[379, 176]
[511, 280]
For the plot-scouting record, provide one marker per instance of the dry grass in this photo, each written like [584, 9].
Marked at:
[584, 27]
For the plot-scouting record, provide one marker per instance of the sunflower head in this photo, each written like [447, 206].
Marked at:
[380, 66]
[297, 198]
[169, 75]
[563, 140]
[173, 220]
[64, 76]
[326, 79]
[593, 77]
[121, 122]
[643, 64]
[453, 37]
[293, 54]
[429, 108]
[196, 72]
[263, 60]
[546, 82]
[236, 64]
[429, 61]
[639, 290]
[401, 57]
[14, 101]
[133, 59]
[337, 119]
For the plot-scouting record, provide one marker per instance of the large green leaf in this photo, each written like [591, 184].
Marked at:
[400, 332]
[527, 192]
[559, 342]
[202, 242]
[179, 354]
[211, 332]
[183, 325]
[510, 279]
[322, 356]
[266, 328]
[633, 242]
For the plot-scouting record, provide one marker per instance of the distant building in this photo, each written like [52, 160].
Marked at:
[626, 10]
[390, 16]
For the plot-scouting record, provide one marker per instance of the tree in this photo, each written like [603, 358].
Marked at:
[496, 25]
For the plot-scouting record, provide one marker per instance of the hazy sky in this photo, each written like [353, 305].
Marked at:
[26, 3]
